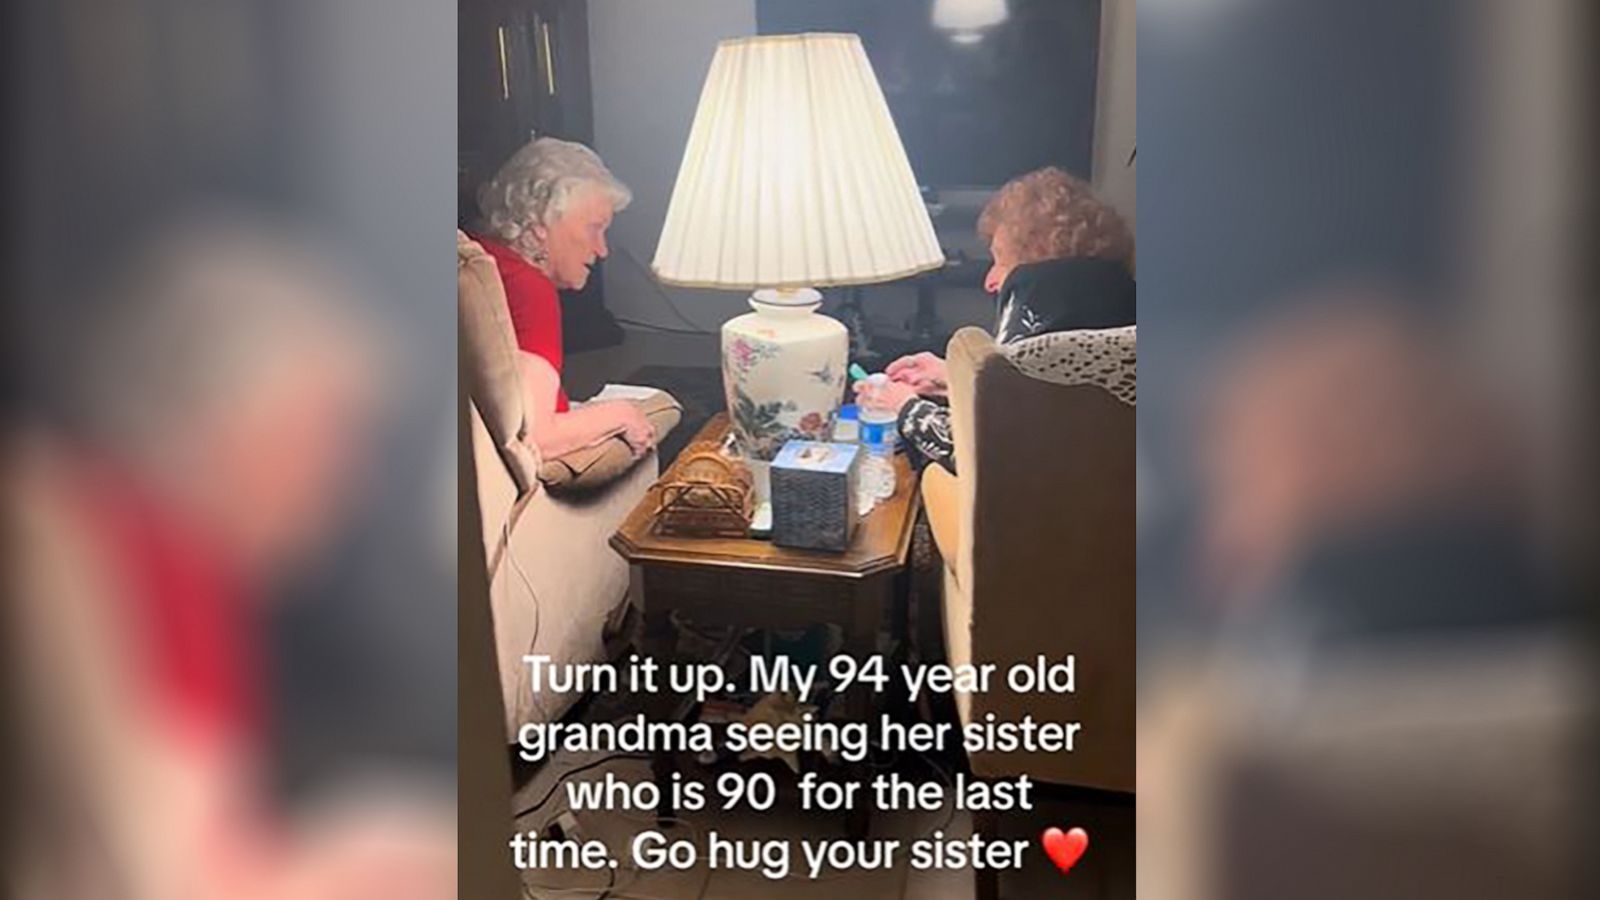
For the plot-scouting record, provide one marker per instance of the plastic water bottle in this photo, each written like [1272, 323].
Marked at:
[879, 416]
[877, 469]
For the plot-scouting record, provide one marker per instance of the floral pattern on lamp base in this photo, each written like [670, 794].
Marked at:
[783, 372]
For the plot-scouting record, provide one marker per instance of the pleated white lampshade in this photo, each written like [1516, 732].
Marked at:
[794, 175]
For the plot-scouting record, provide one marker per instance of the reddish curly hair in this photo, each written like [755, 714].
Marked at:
[1048, 214]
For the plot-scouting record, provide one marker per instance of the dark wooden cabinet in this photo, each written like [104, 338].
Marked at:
[523, 70]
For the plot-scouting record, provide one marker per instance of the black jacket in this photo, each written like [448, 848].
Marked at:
[1064, 295]
[1037, 298]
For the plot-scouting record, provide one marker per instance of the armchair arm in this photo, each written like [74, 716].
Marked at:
[941, 500]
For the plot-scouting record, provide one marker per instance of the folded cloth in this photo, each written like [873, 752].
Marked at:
[587, 468]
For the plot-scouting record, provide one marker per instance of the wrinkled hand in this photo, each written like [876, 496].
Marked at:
[890, 396]
[637, 431]
[923, 372]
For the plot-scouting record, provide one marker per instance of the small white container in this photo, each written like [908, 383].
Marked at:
[847, 428]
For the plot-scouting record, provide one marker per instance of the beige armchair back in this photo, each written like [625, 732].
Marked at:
[1043, 535]
[554, 581]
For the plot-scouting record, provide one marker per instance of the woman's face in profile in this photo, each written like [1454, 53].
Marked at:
[577, 240]
[1005, 259]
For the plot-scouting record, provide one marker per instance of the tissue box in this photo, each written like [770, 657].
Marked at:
[814, 495]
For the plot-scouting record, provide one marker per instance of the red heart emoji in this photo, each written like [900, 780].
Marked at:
[1065, 849]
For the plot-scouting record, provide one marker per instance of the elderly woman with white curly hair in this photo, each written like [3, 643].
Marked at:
[545, 215]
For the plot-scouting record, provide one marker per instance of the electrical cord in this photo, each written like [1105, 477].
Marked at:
[699, 838]
[528, 891]
[611, 889]
[949, 790]
[612, 892]
[651, 326]
[699, 833]
[661, 292]
[571, 772]
[538, 618]
[605, 892]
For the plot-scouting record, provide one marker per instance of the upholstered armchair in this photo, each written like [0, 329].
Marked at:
[554, 581]
[1037, 535]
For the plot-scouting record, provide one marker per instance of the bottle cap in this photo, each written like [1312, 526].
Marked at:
[849, 412]
[872, 432]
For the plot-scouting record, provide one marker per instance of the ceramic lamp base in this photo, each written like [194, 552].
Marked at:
[783, 371]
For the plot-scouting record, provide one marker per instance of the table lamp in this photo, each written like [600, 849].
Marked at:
[794, 178]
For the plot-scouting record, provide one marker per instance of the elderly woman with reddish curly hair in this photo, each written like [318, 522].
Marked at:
[1063, 261]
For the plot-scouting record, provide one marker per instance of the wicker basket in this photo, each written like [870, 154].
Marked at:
[708, 495]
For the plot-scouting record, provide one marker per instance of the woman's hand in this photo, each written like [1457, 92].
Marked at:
[586, 424]
[923, 372]
[890, 395]
[637, 431]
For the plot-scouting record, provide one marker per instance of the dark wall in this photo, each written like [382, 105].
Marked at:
[1019, 98]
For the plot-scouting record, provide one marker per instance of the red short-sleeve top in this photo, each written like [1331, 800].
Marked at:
[535, 308]
[190, 607]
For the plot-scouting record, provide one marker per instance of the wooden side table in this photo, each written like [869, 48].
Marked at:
[742, 582]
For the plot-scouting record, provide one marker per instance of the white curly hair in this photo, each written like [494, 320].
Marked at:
[537, 182]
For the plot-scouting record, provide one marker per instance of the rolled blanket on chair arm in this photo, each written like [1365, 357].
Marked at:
[588, 468]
